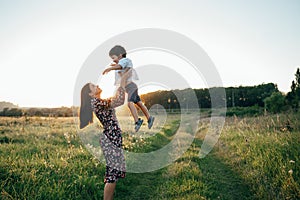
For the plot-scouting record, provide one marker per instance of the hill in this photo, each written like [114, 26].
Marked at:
[4, 104]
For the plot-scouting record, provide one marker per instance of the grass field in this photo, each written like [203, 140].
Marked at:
[255, 158]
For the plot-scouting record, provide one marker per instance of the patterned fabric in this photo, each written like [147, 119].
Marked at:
[111, 139]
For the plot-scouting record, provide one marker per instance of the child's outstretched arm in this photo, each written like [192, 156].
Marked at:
[113, 67]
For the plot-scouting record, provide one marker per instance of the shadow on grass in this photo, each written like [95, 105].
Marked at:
[139, 186]
[222, 181]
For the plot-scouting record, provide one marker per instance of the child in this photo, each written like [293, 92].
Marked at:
[120, 65]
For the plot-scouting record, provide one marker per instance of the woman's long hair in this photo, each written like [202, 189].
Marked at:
[86, 112]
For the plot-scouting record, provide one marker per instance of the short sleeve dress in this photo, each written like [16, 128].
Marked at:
[111, 139]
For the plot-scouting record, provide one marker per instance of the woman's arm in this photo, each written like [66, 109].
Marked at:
[118, 99]
[112, 102]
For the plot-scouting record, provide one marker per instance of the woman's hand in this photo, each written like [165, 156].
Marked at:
[124, 76]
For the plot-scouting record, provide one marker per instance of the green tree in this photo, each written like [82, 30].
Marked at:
[275, 103]
[293, 97]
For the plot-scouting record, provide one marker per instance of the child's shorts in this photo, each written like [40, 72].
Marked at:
[132, 91]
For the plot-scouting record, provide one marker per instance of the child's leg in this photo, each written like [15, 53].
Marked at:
[137, 120]
[131, 90]
[144, 109]
[150, 119]
[133, 97]
[133, 111]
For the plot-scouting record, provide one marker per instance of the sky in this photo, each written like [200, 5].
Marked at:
[43, 44]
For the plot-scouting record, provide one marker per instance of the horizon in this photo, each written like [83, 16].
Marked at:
[70, 106]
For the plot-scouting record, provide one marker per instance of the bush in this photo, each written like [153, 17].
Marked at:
[245, 111]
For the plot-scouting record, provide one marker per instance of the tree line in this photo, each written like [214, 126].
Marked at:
[42, 112]
[265, 96]
[242, 96]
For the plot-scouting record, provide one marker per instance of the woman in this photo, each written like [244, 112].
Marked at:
[111, 139]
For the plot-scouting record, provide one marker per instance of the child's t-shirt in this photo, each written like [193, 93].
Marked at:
[125, 63]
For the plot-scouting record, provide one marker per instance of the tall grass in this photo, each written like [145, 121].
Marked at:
[255, 158]
[265, 151]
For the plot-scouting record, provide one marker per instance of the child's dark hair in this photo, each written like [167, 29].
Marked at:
[117, 50]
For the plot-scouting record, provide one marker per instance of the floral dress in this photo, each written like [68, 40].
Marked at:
[111, 139]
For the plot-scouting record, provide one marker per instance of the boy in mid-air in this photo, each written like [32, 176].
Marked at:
[120, 65]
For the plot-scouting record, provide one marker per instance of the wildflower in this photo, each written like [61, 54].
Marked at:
[292, 161]
[290, 171]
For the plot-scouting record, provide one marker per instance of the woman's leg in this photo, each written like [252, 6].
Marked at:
[109, 190]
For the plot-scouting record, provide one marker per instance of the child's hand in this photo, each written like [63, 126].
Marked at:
[106, 71]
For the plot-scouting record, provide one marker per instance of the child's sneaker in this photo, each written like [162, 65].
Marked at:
[150, 121]
[138, 124]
